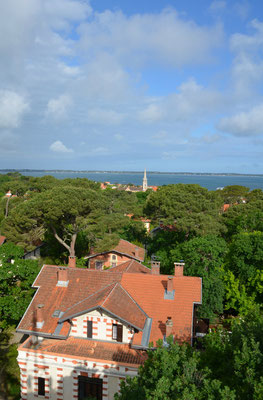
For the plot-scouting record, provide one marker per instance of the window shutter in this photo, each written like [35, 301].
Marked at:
[89, 329]
[119, 333]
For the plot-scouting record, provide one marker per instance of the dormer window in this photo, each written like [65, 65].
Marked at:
[117, 332]
[113, 260]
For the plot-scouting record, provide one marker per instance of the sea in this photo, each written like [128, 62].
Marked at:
[209, 181]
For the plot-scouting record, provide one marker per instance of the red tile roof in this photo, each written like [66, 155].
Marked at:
[90, 349]
[114, 299]
[126, 248]
[130, 266]
[130, 296]
[2, 240]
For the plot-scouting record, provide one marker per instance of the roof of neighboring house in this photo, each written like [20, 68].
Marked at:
[2, 240]
[226, 207]
[134, 298]
[131, 266]
[125, 248]
[89, 349]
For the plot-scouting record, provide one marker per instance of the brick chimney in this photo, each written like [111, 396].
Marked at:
[169, 326]
[170, 284]
[179, 269]
[72, 261]
[155, 265]
[62, 277]
[39, 316]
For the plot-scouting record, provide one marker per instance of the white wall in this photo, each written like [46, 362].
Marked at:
[102, 326]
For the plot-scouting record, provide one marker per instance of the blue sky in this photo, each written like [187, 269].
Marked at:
[121, 85]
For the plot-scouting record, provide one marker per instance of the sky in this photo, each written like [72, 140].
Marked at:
[125, 85]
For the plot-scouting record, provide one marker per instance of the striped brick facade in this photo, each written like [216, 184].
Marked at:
[101, 327]
[61, 375]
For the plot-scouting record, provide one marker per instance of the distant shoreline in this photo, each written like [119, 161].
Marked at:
[6, 170]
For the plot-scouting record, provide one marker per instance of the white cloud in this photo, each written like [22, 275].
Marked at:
[60, 12]
[59, 147]
[104, 117]
[164, 38]
[99, 151]
[12, 108]
[58, 108]
[248, 123]
[152, 113]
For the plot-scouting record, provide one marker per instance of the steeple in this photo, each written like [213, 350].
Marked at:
[144, 182]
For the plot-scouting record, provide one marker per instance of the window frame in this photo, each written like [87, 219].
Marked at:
[117, 332]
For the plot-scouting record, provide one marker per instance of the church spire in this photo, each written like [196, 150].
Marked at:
[144, 182]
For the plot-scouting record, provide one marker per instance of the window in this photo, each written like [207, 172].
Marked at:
[113, 260]
[89, 388]
[41, 386]
[98, 264]
[117, 332]
[89, 329]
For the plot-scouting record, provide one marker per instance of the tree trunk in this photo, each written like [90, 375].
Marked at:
[61, 241]
[6, 207]
[72, 245]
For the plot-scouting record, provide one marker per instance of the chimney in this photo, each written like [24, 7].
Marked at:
[169, 326]
[137, 252]
[170, 284]
[155, 265]
[62, 277]
[178, 269]
[39, 316]
[72, 261]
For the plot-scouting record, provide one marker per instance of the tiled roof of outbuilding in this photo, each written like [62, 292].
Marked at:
[2, 240]
[126, 248]
[131, 266]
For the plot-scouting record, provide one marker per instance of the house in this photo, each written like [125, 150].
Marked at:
[2, 240]
[33, 254]
[88, 329]
[124, 251]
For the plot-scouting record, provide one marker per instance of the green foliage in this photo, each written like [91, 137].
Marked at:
[16, 279]
[244, 217]
[9, 251]
[234, 194]
[236, 358]
[237, 299]
[9, 370]
[173, 373]
[191, 208]
[204, 257]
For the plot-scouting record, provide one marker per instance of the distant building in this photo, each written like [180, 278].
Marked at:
[144, 182]
[2, 240]
[124, 251]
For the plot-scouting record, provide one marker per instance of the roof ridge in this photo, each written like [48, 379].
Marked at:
[129, 265]
[118, 265]
[133, 299]
[109, 293]
[91, 295]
